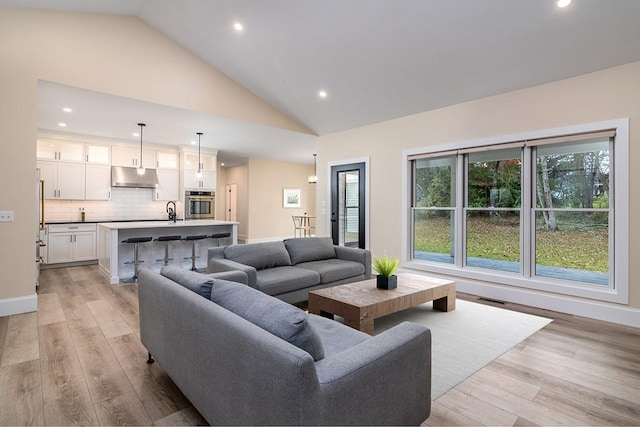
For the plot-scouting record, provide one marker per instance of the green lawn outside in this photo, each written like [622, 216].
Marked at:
[581, 249]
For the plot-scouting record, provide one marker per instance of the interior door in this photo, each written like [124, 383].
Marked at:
[231, 202]
[348, 205]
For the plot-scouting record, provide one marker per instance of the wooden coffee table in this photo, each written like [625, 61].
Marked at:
[359, 303]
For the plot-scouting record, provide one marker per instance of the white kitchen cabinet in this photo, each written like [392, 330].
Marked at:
[97, 182]
[65, 181]
[66, 151]
[98, 154]
[208, 161]
[130, 156]
[71, 242]
[167, 159]
[207, 182]
[168, 185]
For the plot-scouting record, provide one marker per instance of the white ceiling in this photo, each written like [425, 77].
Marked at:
[381, 59]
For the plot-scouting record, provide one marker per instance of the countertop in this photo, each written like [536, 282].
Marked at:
[163, 224]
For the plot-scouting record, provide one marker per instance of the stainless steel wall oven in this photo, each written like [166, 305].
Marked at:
[199, 205]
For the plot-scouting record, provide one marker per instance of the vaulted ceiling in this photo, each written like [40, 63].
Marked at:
[382, 59]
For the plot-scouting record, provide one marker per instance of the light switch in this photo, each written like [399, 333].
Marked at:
[6, 216]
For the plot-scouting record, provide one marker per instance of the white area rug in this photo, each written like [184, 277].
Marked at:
[466, 339]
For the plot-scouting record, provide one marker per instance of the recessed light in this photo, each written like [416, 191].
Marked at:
[222, 164]
[563, 3]
[238, 26]
[136, 134]
[62, 125]
[322, 94]
[67, 110]
[194, 142]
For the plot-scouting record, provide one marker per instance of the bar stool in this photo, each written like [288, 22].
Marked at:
[136, 260]
[193, 256]
[166, 240]
[219, 236]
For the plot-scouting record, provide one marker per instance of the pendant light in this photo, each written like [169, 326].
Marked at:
[141, 167]
[199, 173]
[313, 179]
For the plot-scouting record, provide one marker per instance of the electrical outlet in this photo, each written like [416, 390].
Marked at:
[6, 216]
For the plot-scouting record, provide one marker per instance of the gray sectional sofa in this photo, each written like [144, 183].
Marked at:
[245, 358]
[291, 268]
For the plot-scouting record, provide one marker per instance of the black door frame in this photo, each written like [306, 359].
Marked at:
[361, 167]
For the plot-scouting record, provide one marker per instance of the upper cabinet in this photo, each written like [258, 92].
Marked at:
[98, 154]
[130, 156]
[167, 159]
[208, 161]
[62, 180]
[66, 151]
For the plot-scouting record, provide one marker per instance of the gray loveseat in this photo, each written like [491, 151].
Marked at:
[245, 358]
[291, 268]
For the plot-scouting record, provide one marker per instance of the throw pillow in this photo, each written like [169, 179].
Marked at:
[309, 249]
[259, 255]
[194, 281]
[271, 314]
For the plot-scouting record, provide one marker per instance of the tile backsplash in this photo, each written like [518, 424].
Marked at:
[125, 204]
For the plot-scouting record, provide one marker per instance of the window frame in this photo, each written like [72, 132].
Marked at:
[619, 217]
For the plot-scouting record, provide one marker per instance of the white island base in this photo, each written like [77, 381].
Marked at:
[112, 254]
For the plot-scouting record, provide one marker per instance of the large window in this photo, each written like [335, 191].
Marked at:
[538, 213]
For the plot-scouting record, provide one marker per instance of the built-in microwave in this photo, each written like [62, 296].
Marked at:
[199, 205]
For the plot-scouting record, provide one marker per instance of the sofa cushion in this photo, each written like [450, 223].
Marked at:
[279, 280]
[309, 249]
[196, 282]
[332, 270]
[259, 255]
[281, 319]
[335, 336]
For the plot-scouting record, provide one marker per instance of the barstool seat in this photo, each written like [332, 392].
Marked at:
[136, 260]
[220, 236]
[193, 256]
[166, 240]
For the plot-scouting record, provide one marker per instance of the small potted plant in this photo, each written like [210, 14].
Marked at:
[385, 266]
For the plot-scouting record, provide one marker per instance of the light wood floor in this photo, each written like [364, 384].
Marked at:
[79, 360]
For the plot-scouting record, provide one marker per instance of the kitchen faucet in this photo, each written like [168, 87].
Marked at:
[172, 211]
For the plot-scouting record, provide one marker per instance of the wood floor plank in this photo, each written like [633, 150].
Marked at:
[105, 377]
[21, 401]
[546, 381]
[58, 357]
[68, 403]
[443, 416]
[540, 361]
[77, 313]
[584, 412]
[125, 410]
[108, 319]
[184, 417]
[471, 407]
[50, 309]
[509, 402]
[513, 385]
[21, 340]
[157, 392]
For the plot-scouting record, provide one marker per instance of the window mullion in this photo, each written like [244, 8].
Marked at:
[527, 225]
[461, 191]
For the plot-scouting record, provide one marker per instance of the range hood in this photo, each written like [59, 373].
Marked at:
[128, 177]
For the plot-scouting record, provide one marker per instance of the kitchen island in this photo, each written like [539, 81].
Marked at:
[112, 254]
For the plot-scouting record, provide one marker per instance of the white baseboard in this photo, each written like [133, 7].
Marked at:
[608, 312]
[18, 305]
